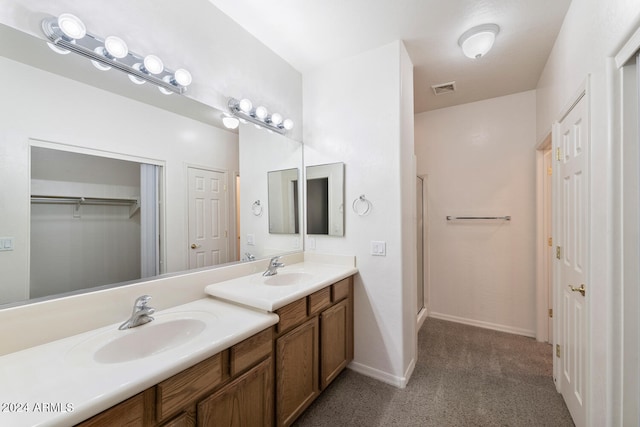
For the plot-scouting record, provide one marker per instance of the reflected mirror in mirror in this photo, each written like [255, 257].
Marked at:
[60, 102]
[260, 150]
[325, 199]
[283, 202]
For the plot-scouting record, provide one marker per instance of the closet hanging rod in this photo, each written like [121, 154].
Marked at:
[83, 200]
[504, 218]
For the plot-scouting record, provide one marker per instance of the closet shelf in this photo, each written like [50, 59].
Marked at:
[133, 203]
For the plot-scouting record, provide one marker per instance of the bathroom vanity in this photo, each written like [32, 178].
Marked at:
[287, 365]
[255, 351]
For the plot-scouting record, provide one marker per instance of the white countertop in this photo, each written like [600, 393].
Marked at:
[254, 290]
[58, 384]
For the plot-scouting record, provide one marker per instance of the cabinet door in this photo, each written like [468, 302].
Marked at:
[296, 371]
[334, 341]
[245, 402]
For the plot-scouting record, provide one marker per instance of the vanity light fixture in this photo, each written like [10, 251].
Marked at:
[477, 41]
[67, 33]
[244, 112]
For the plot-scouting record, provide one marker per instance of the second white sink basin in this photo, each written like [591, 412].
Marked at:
[166, 332]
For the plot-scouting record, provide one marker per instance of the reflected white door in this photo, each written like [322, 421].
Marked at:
[208, 222]
[572, 237]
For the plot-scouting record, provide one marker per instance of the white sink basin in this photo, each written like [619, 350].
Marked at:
[166, 332]
[288, 279]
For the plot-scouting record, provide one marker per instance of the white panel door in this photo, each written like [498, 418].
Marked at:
[572, 237]
[208, 229]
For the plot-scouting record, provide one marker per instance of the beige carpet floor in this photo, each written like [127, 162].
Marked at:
[464, 376]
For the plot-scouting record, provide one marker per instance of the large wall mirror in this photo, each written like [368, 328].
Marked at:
[325, 199]
[167, 164]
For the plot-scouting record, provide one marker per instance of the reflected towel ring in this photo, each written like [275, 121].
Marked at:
[362, 206]
[256, 208]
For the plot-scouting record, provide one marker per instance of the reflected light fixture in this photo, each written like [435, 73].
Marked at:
[477, 41]
[67, 33]
[229, 121]
[243, 111]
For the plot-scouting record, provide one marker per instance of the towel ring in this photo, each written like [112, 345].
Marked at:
[256, 208]
[362, 206]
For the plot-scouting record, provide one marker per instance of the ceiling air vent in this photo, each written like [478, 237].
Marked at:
[443, 88]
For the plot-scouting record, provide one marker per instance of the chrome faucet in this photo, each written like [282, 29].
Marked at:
[274, 265]
[249, 256]
[141, 313]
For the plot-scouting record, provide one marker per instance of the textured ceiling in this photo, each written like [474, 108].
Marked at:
[310, 33]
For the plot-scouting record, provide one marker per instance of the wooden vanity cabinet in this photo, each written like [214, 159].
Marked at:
[233, 388]
[313, 345]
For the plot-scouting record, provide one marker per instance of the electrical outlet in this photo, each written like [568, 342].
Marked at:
[251, 239]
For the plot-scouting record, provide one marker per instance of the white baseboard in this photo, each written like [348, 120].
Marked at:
[422, 316]
[486, 325]
[385, 377]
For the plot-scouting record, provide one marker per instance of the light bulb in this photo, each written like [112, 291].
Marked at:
[71, 26]
[153, 64]
[261, 112]
[116, 47]
[100, 66]
[57, 49]
[182, 77]
[288, 124]
[230, 122]
[276, 119]
[245, 105]
[134, 79]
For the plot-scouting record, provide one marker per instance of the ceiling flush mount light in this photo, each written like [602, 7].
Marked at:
[67, 33]
[244, 112]
[477, 41]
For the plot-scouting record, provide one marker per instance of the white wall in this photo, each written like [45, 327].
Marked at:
[593, 31]
[480, 161]
[354, 112]
[46, 107]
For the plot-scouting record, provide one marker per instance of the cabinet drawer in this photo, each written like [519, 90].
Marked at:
[340, 290]
[186, 387]
[129, 413]
[319, 300]
[251, 351]
[292, 314]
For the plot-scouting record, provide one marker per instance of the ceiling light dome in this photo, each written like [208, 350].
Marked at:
[477, 41]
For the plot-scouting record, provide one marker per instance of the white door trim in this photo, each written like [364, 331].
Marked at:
[542, 290]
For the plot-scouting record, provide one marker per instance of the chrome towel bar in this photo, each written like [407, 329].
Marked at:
[503, 218]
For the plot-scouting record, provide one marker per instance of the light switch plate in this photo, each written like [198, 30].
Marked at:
[378, 248]
[251, 239]
[6, 243]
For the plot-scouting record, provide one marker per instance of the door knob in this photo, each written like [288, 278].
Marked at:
[194, 246]
[581, 289]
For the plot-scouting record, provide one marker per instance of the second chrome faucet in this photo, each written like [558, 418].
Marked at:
[274, 264]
